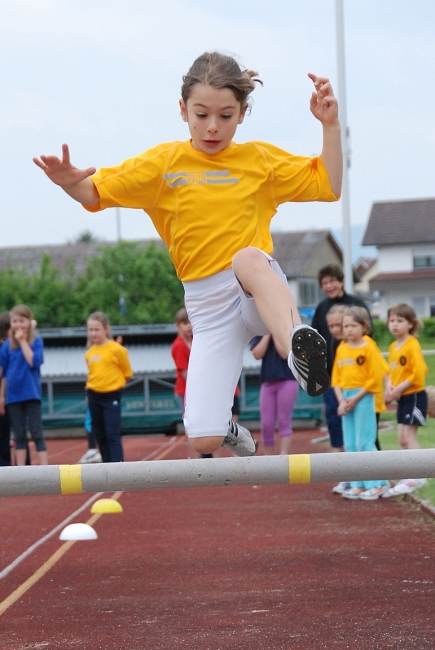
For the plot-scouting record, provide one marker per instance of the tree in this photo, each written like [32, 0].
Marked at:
[86, 237]
[49, 295]
[131, 284]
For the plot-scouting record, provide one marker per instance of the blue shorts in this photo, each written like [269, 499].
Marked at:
[412, 409]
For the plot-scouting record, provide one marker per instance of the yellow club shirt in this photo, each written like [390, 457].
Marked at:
[108, 367]
[407, 363]
[362, 367]
[208, 207]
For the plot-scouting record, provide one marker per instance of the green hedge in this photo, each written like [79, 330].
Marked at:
[383, 337]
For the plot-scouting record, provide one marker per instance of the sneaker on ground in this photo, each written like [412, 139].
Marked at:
[352, 493]
[375, 492]
[405, 486]
[239, 440]
[307, 360]
[341, 487]
[91, 456]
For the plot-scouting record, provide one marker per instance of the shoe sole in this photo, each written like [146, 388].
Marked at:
[310, 348]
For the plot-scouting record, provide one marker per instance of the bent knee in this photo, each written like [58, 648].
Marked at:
[206, 445]
[247, 264]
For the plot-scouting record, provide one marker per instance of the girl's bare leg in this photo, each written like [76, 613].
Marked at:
[272, 296]
[206, 445]
[20, 455]
[285, 445]
[408, 436]
[43, 457]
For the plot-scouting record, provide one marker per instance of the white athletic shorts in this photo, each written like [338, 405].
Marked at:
[224, 319]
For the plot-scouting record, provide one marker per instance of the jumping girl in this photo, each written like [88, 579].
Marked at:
[212, 200]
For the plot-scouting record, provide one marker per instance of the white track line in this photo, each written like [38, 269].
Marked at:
[46, 537]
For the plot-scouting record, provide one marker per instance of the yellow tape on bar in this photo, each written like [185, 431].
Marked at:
[299, 468]
[70, 479]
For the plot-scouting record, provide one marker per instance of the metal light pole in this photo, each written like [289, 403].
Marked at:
[345, 198]
[118, 223]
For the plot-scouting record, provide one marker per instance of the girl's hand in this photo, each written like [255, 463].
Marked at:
[342, 408]
[62, 172]
[323, 103]
[20, 334]
[351, 403]
[395, 394]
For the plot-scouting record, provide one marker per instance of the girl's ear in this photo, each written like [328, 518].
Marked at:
[183, 110]
[242, 113]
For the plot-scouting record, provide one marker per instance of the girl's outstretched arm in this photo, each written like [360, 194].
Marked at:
[73, 181]
[324, 107]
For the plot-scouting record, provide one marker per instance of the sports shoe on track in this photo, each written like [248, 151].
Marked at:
[405, 486]
[91, 456]
[352, 493]
[239, 440]
[307, 360]
[375, 492]
[341, 487]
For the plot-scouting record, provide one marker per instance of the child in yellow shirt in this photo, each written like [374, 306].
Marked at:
[211, 200]
[357, 376]
[109, 370]
[406, 384]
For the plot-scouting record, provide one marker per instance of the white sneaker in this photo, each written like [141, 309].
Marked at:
[239, 440]
[307, 360]
[375, 492]
[352, 493]
[341, 487]
[405, 486]
[91, 456]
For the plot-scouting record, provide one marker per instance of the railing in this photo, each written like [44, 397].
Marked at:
[148, 402]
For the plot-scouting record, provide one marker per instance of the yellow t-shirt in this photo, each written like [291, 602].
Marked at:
[407, 363]
[385, 369]
[361, 367]
[108, 367]
[207, 207]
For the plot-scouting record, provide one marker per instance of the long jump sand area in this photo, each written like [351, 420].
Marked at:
[272, 567]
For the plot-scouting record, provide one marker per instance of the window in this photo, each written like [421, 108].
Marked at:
[419, 305]
[309, 292]
[424, 262]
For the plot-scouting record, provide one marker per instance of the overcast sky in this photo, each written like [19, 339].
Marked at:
[104, 76]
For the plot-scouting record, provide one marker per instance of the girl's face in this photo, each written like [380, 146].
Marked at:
[352, 331]
[20, 323]
[335, 323]
[97, 333]
[185, 329]
[213, 115]
[399, 326]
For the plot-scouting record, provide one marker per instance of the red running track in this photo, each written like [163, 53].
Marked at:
[237, 568]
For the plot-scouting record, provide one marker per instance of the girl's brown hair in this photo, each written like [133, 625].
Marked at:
[361, 316]
[336, 309]
[5, 325]
[220, 71]
[24, 312]
[101, 318]
[403, 310]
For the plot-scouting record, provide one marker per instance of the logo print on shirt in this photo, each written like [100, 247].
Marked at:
[402, 361]
[218, 177]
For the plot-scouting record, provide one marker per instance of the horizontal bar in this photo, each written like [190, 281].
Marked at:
[216, 472]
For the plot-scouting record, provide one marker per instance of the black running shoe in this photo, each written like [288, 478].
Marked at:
[307, 360]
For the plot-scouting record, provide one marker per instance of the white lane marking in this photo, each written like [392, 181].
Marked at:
[46, 537]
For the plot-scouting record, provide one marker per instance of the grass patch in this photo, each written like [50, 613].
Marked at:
[426, 437]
